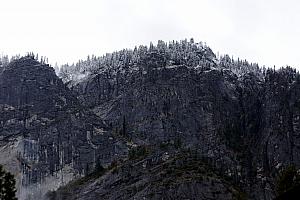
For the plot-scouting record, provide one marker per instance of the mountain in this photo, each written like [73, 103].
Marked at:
[168, 121]
[47, 137]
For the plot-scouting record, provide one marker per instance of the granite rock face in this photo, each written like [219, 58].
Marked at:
[49, 133]
[247, 123]
[165, 123]
[166, 105]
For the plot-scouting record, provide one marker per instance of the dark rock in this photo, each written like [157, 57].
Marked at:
[239, 123]
[53, 131]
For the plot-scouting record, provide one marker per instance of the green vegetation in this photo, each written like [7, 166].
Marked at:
[164, 146]
[233, 137]
[240, 195]
[187, 167]
[138, 152]
[177, 143]
[288, 179]
[7, 185]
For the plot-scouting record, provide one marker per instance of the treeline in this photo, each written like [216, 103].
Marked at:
[184, 52]
[5, 59]
[163, 54]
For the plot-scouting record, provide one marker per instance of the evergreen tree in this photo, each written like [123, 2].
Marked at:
[7, 185]
[2, 174]
[288, 179]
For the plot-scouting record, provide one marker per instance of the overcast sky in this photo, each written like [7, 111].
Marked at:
[263, 31]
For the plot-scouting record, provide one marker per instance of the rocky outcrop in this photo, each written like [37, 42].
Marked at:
[44, 128]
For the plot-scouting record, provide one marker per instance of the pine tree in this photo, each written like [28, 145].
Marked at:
[7, 185]
[10, 190]
[2, 174]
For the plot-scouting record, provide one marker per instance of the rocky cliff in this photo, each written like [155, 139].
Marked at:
[170, 121]
[241, 117]
[47, 137]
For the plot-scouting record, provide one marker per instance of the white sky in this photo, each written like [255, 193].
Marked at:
[263, 31]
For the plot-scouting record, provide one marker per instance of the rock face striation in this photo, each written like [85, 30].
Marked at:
[165, 122]
[241, 117]
[49, 137]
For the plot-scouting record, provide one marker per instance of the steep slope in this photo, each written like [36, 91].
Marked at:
[47, 137]
[179, 176]
[170, 121]
[242, 118]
